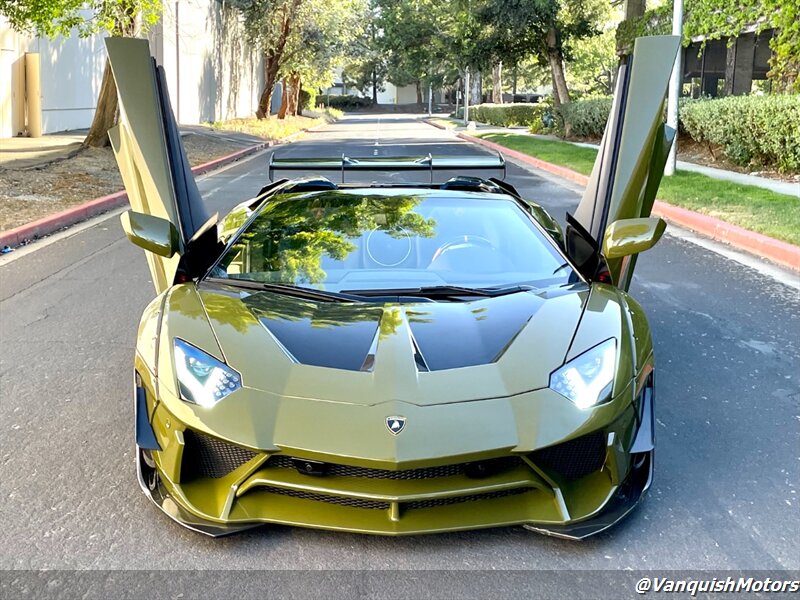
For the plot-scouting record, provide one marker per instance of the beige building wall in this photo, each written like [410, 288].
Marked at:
[211, 73]
[71, 71]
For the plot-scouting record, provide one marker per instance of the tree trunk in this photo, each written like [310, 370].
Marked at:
[374, 86]
[271, 64]
[299, 111]
[556, 99]
[419, 92]
[514, 84]
[272, 61]
[730, 68]
[475, 85]
[106, 113]
[105, 116]
[497, 83]
[556, 60]
[285, 94]
[294, 94]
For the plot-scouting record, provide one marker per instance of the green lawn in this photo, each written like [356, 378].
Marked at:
[275, 128]
[754, 208]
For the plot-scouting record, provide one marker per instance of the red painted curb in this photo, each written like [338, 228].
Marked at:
[52, 223]
[782, 253]
[562, 172]
[432, 124]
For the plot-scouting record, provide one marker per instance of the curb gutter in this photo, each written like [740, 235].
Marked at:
[777, 251]
[76, 214]
[52, 223]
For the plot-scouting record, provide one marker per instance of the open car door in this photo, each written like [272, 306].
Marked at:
[630, 161]
[167, 211]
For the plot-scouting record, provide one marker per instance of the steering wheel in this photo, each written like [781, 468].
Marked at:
[462, 242]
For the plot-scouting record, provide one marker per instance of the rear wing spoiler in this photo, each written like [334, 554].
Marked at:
[427, 163]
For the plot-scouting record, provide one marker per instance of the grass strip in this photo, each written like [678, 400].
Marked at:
[751, 207]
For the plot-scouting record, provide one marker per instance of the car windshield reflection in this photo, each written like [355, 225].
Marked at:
[339, 241]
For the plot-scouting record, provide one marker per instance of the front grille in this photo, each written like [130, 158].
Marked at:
[206, 456]
[574, 459]
[340, 500]
[379, 505]
[470, 498]
[487, 467]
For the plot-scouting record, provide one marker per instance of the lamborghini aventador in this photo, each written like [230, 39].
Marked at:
[393, 358]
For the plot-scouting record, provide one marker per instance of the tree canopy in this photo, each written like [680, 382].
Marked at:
[51, 18]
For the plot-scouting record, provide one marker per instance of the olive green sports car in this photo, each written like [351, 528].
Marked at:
[393, 358]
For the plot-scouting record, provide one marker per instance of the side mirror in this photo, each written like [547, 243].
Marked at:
[631, 236]
[153, 234]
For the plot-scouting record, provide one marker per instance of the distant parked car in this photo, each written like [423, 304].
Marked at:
[532, 98]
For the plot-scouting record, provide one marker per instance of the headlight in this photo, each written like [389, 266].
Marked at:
[203, 379]
[587, 379]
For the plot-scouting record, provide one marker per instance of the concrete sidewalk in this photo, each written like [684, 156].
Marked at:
[781, 187]
[26, 152]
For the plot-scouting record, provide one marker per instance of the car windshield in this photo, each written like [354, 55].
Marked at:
[389, 240]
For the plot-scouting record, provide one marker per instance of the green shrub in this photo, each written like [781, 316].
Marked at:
[307, 100]
[334, 113]
[505, 115]
[584, 118]
[344, 102]
[751, 130]
[587, 118]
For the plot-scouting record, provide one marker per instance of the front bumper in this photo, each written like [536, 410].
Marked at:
[416, 486]
[264, 487]
[504, 513]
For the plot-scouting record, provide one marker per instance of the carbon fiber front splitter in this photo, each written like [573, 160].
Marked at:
[623, 502]
[151, 485]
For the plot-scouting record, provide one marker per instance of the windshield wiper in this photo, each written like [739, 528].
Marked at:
[443, 291]
[287, 289]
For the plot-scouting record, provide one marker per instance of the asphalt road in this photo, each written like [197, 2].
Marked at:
[727, 342]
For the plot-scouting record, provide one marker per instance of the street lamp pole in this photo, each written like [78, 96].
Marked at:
[675, 84]
[466, 97]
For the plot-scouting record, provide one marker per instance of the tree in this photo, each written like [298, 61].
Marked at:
[268, 25]
[414, 41]
[53, 18]
[570, 21]
[319, 41]
[593, 60]
[593, 64]
[365, 68]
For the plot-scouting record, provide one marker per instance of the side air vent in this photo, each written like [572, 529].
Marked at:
[206, 456]
[574, 459]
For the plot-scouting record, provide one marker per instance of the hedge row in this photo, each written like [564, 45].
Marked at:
[344, 102]
[506, 115]
[584, 118]
[751, 130]
[762, 130]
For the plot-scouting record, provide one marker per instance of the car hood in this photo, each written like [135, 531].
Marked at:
[369, 353]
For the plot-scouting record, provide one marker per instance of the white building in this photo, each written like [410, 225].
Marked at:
[211, 74]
